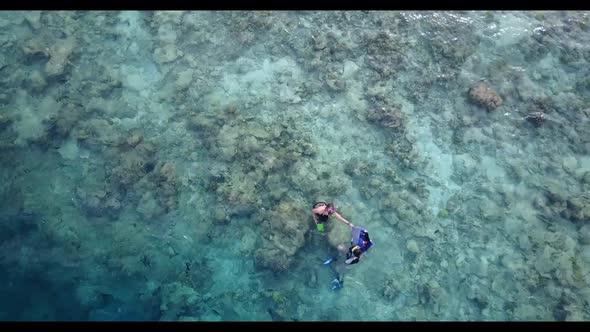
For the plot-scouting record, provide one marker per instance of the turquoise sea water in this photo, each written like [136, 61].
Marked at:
[162, 165]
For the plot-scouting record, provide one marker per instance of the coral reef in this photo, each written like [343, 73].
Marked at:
[99, 202]
[484, 96]
[59, 52]
[283, 234]
[388, 117]
[178, 301]
[384, 52]
[536, 118]
[443, 213]
[161, 165]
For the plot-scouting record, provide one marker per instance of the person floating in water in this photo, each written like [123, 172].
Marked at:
[359, 245]
[320, 213]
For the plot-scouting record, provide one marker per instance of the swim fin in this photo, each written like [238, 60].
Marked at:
[336, 284]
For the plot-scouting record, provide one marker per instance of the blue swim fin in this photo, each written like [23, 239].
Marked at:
[335, 284]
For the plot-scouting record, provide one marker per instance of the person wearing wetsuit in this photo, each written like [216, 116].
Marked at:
[358, 249]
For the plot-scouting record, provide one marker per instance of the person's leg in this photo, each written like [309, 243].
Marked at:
[337, 281]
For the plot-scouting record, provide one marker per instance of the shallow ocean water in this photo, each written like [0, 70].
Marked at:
[162, 165]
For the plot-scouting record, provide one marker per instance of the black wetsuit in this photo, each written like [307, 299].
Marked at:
[349, 254]
[322, 218]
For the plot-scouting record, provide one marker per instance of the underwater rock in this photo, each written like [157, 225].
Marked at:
[320, 41]
[384, 52]
[184, 79]
[359, 168]
[335, 82]
[329, 46]
[166, 54]
[542, 104]
[98, 133]
[391, 288]
[434, 290]
[569, 164]
[168, 184]
[554, 192]
[238, 198]
[420, 189]
[37, 81]
[204, 124]
[134, 139]
[227, 142]
[482, 95]
[98, 202]
[62, 124]
[246, 27]
[137, 174]
[248, 242]
[59, 53]
[100, 82]
[167, 34]
[167, 173]
[129, 169]
[443, 213]
[269, 161]
[389, 117]
[178, 300]
[220, 216]
[578, 208]
[33, 17]
[148, 206]
[545, 262]
[333, 78]
[446, 53]
[272, 258]
[574, 207]
[283, 236]
[412, 246]
[36, 46]
[536, 118]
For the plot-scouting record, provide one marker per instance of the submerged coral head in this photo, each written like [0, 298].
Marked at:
[536, 118]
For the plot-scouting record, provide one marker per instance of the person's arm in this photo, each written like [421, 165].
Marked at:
[339, 217]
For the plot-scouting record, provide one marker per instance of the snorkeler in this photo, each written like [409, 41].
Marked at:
[362, 245]
[320, 213]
